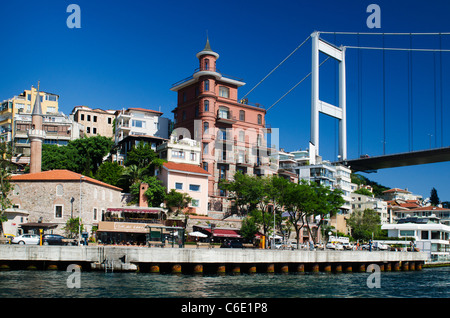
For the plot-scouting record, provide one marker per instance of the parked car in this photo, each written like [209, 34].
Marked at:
[347, 246]
[32, 239]
[55, 239]
[232, 244]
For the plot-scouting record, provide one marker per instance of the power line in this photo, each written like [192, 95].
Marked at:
[285, 59]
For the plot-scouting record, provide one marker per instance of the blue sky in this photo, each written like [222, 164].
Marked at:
[129, 53]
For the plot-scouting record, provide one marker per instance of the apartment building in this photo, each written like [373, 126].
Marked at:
[22, 104]
[95, 121]
[136, 125]
[362, 202]
[59, 130]
[177, 150]
[232, 132]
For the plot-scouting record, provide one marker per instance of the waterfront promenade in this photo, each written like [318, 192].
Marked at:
[192, 260]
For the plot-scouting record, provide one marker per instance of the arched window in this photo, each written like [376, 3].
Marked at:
[259, 119]
[206, 85]
[242, 115]
[206, 104]
[205, 127]
[206, 64]
[59, 190]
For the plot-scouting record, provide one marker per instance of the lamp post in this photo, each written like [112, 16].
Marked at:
[79, 219]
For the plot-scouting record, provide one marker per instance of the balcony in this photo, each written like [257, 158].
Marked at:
[36, 134]
[225, 117]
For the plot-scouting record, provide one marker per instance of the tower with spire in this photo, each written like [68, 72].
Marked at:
[36, 135]
[231, 131]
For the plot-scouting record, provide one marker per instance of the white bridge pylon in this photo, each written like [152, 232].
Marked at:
[318, 106]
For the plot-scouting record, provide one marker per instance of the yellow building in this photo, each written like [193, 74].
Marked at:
[22, 104]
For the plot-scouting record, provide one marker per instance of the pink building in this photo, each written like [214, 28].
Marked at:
[190, 179]
[231, 131]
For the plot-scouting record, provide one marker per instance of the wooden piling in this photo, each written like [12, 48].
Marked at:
[176, 269]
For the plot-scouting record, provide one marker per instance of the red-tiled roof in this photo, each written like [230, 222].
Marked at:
[430, 208]
[396, 190]
[59, 175]
[184, 167]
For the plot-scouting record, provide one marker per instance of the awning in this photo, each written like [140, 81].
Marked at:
[40, 225]
[133, 210]
[224, 233]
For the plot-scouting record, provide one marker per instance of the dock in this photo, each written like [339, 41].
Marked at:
[203, 260]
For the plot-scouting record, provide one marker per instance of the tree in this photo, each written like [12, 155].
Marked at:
[72, 227]
[83, 155]
[144, 157]
[5, 185]
[249, 228]
[364, 223]
[434, 199]
[155, 193]
[178, 200]
[110, 172]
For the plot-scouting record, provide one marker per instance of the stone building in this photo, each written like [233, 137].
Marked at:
[53, 197]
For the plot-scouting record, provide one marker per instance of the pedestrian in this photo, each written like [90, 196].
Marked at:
[370, 245]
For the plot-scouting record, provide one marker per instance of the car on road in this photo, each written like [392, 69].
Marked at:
[232, 244]
[56, 239]
[29, 239]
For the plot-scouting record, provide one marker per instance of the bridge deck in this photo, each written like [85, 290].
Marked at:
[399, 160]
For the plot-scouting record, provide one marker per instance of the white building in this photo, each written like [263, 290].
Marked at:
[140, 122]
[184, 150]
[430, 237]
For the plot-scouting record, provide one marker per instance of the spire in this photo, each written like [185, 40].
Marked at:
[207, 49]
[207, 46]
[37, 109]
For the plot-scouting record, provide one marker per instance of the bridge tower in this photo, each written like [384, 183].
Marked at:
[318, 106]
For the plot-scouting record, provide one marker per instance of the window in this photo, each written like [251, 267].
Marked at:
[206, 85]
[206, 64]
[241, 136]
[196, 111]
[94, 118]
[82, 117]
[193, 156]
[205, 148]
[88, 130]
[222, 172]
[178, 154]
[241, 115]
[259, 120]
[178, 185]
[88, 117]
[58, 211]
[184, 97]
[94, 130]
[224, 92]
[109, 120]
[195, 203]
[194, 187]
[222, 134]
[138, 123]
[183, 115]
[59, 190]
[206, 104]
[95, 214]
[223, 112]
[205, 166]
[205, 127]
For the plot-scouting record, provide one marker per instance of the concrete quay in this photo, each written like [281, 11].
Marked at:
[199, 260]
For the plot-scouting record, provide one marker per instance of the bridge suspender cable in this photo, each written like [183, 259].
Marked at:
[285, 59]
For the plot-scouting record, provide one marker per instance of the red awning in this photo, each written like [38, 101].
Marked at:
[131, 210]
[224, 233]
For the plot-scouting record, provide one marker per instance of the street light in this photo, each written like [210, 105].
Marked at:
[79, 219]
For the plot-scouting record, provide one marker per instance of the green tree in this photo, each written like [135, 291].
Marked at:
[364, 223]
[5, 185]
[72, 227]
[155, 193]
[434, 199]
[249, 228]
[110, 172]
[144, 157]
[178, 200]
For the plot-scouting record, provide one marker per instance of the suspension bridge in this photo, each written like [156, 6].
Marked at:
[372, 163]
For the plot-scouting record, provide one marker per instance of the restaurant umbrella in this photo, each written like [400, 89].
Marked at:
[198, 234]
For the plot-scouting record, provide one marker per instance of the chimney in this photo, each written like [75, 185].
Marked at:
[143, 203]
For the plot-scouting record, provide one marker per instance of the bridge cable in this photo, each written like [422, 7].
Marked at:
[359, 99]
[441, 91]
[304, 78]
[285, 59]
[384, 100]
